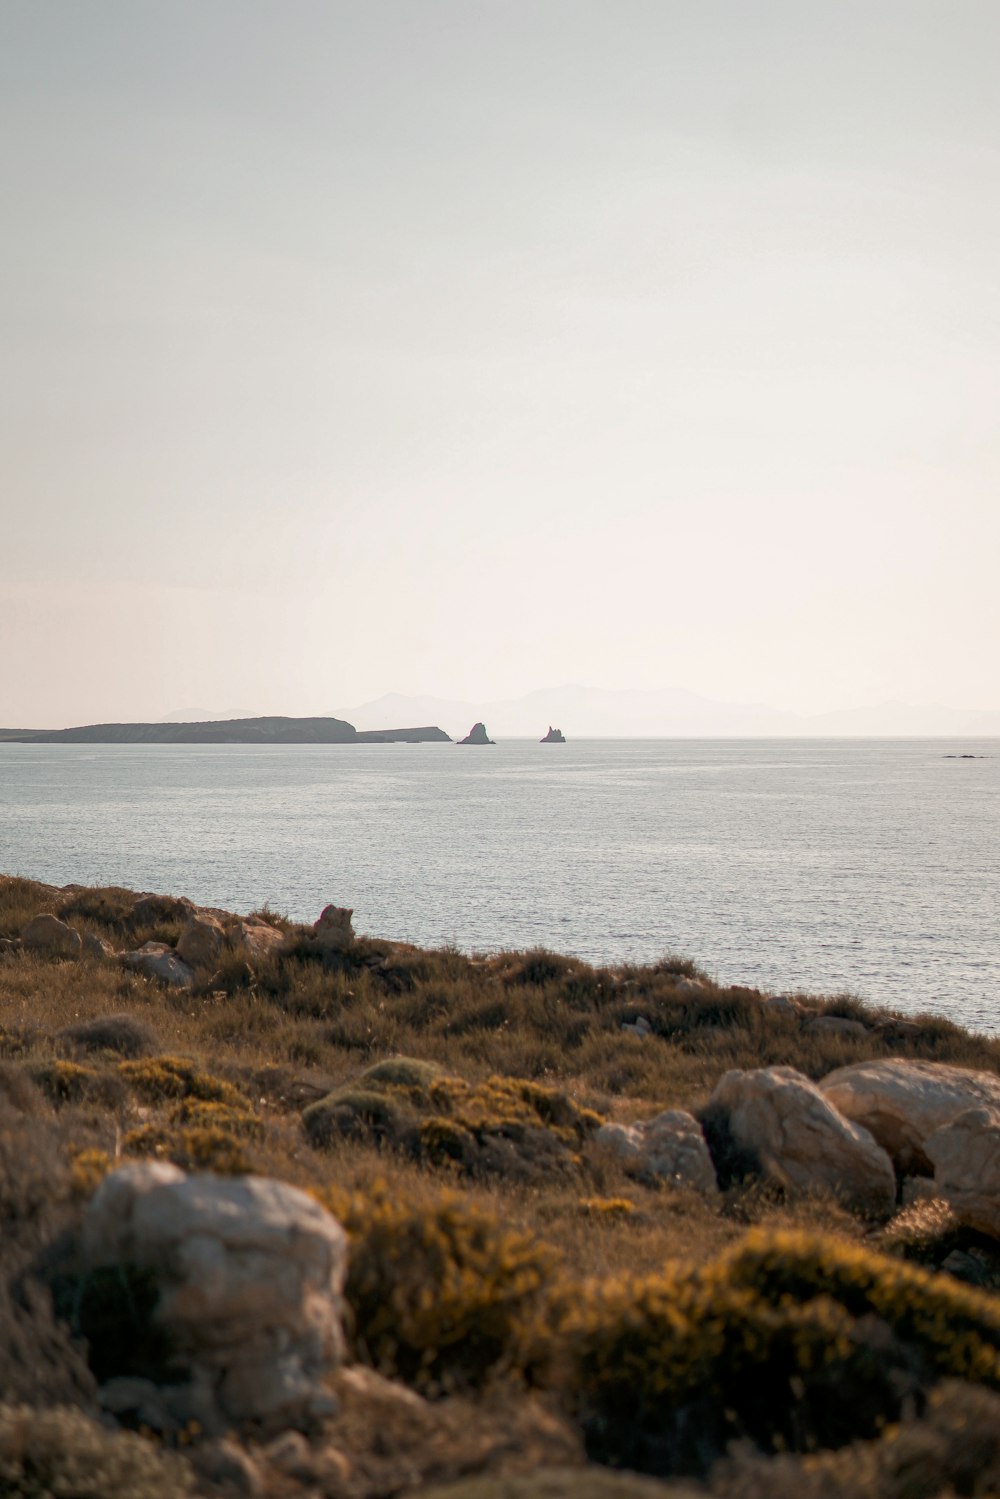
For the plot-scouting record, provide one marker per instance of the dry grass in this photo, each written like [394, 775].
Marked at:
[98, 1063]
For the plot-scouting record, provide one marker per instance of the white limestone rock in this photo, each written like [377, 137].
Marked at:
[903, 1102]
[966, 1157]
[670, 1148]
[800, 1140]
[250, 1273]
[159, 961]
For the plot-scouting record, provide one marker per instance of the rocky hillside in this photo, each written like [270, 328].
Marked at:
[292, 1211]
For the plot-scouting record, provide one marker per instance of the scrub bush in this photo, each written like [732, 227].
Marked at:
[440, 1293]
[155, 1079]
[62, 1454]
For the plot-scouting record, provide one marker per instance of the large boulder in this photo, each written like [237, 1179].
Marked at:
[48, 935]
[159, 961]
[670, 1148]
[249, 1273]
[965, 1153]
[902, 1103]
[800, 1140]
[202, 940]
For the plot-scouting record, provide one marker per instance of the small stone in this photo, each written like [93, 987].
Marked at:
[290, 1453]
[669, 1148]
[48, 935]
[226, 1463]
[780, 1004]
[159, 961]
[834, 1025]
[97, 948]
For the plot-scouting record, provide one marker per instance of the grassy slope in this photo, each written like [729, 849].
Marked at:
[292, 1029]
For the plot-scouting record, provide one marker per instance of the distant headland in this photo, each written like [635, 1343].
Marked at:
[229, 731]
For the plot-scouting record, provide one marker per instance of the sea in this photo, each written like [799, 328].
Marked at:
[863, 867]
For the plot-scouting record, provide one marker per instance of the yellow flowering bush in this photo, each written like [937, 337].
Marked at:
[791, 1340]
[439, 1292]
[155, 1079]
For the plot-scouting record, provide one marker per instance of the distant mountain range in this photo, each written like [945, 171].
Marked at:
[599, 713]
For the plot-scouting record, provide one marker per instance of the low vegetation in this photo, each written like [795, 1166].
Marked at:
[539, 1319]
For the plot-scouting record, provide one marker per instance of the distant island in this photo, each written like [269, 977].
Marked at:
[228, 731]
[477, 735]
[554, 736]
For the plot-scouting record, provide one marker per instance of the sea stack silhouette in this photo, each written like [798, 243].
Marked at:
[477, 735]
[554, 736]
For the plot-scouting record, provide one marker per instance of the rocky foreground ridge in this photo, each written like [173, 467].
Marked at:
[293, 1211]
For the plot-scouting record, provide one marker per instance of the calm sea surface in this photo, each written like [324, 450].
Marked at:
[864, 866]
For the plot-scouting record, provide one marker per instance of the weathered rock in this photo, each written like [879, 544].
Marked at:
[903, 1102]
[201, 941]
[159, 961]
[97, 948]
[290, 1453]
[966, 1157]
[260, 938]
[639, 1027]
[780, 1004]
[154, 908]
[477, 735]
[834, 1025]
[800, 1140]
[669, 1148]
[226, 1464]
[333, 931]
[48, 935]
[249, 1273]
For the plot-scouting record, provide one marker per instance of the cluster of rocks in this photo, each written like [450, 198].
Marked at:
[207, 936]
[871, 1133]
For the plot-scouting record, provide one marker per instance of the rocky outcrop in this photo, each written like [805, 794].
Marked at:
[554, 736]
[834, 1025]
[248, 1275]
[965, 1154]
[798, 1139]
[902, 1102]
[669, 1148]
[477, 735]
[333, 932]
[158, 961]
[48, 935]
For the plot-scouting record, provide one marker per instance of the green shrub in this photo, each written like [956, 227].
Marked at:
[63, 1454]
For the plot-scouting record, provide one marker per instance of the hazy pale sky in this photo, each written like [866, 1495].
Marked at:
[465, 346]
